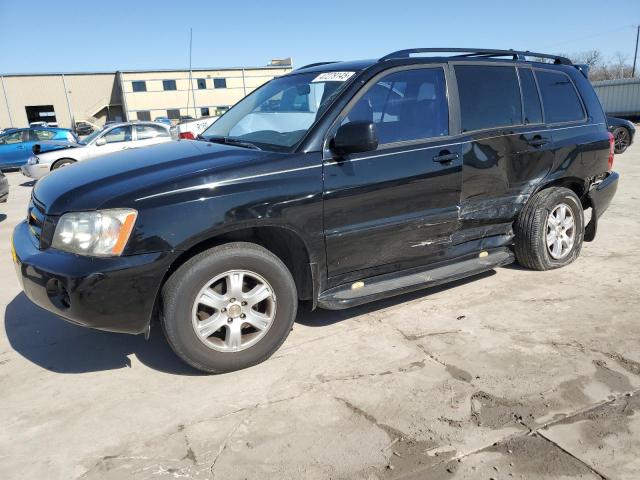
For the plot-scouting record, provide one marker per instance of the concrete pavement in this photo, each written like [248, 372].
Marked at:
[513, 374]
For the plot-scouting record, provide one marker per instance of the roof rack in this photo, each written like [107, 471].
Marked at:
[317, 64]
[477, 52]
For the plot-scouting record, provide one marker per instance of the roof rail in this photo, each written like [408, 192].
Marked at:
[316, 64]
[477, 52]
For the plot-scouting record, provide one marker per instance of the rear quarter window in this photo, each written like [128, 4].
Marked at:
[489, 96]
[559, 97]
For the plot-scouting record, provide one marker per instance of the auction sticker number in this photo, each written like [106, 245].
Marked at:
[333, 77]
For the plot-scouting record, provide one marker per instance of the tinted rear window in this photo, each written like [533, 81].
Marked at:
[530, 98]
[489, 96]
[559, 97]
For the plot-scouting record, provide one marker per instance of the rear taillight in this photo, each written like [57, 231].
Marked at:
[612, 143]
[186, 136]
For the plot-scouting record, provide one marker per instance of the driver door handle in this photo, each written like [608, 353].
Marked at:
[445, 157]
[538, 142]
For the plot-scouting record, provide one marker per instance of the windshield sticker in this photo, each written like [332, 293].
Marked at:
[333, 77]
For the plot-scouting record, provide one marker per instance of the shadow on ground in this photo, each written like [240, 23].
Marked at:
[59, 346]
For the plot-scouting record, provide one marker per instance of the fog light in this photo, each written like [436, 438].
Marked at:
[58, 294]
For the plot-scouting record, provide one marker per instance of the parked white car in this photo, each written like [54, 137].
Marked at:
[114, 138]
[190, 129]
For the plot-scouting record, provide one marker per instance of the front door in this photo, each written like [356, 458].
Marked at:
[14, 148]
[117, 139]
[395, 207]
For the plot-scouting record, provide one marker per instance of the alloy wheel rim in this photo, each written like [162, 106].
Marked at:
[621, 138]
[560, 231]
[233, 311]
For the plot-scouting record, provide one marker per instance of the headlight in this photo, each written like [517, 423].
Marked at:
[33, 160]
[102, 233]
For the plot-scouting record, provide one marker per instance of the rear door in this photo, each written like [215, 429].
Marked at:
[395, 207]
[145, 135]
[509, 149]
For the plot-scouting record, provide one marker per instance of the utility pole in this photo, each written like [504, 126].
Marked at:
[635, 55]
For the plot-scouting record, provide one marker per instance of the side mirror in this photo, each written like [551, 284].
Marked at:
[101, 141]
[355, 137]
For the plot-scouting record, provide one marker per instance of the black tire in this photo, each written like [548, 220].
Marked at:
[181, 289]
[64, 162]
[622, 137]
[531, 229]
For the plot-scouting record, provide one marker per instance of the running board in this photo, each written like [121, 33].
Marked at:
[388, 285]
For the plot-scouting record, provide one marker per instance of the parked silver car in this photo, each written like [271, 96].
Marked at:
[111, 139]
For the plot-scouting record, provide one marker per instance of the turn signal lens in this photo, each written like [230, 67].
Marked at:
[612, 144]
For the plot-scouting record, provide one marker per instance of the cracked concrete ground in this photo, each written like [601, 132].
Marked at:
[513, 374]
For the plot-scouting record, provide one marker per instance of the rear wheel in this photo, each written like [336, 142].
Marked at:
[65, 162]
[229, 307]
[622, 137]
[549, 229]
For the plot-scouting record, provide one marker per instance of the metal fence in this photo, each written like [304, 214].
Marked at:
[619, 97]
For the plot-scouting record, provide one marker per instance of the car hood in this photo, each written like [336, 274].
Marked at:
[117, 180]
[53, 145]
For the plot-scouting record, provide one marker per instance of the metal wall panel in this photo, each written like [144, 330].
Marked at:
[619, 97]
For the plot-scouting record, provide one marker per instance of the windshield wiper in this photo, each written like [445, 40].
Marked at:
[233, 141]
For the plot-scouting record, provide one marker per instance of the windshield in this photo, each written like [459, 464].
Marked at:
[279, 114]
[90, 138]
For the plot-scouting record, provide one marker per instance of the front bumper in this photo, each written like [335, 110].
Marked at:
[36, 171]
[116, 294]
[600, 197]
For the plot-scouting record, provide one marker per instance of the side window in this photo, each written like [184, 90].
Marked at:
[173, 114]
[489, 96]
[405, 105]
[145, 132]
[168, 84]
[559, 97]
[530, 97]
[9, 138]
[119, 134]
[219, 83]
[202, 83]
[38, 135]
[139, 86]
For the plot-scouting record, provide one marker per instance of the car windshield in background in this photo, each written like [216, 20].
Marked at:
[90, 138]
[278, 115]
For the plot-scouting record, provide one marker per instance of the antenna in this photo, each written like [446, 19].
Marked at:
[190, 92]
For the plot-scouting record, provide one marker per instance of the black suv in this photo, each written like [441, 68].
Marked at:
[337, 184]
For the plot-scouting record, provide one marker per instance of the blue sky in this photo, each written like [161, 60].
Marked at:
[41, 36]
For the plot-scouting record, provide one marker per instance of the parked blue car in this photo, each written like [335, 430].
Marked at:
[16, 144]
[165, 120]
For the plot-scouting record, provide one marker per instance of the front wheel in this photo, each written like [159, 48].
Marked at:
[229, 307]
[549, 229]
[65, 162]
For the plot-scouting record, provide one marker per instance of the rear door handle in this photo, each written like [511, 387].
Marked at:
[445, 157]
[538, 142]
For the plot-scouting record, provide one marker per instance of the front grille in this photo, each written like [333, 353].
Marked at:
[39, 224]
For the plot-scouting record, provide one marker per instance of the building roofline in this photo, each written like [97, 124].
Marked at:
[147, 70]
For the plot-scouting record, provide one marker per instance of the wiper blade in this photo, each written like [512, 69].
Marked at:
[233, 141]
